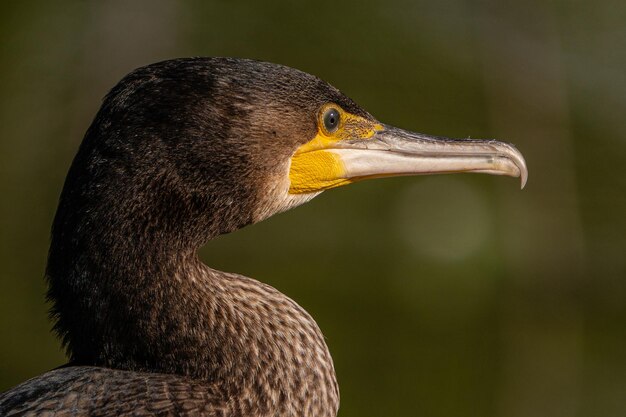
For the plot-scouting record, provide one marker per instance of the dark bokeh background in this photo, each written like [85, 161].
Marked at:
[439, 296]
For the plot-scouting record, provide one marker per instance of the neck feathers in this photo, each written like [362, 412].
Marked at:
[129, 296]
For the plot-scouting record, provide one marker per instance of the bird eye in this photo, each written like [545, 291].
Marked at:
[331, 119]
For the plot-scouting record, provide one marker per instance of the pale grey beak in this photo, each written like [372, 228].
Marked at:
[396, 152]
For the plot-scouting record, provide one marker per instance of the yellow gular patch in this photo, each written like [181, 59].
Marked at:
[314, 167]
[315, 171]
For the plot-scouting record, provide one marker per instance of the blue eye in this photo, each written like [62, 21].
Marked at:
[331, 119]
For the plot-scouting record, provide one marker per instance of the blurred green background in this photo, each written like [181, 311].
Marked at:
[439, 296]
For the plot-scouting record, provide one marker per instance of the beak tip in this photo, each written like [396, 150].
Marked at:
[516, 157]
[524, 178]
[523, 171]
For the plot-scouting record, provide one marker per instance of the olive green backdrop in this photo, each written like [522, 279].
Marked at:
[439, 296]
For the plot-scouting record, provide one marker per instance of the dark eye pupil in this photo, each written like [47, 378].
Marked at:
[331, 120]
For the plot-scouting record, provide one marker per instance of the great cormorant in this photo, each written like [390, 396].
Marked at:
[180, 152]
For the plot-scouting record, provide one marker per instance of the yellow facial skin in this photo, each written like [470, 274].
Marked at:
[314, 167]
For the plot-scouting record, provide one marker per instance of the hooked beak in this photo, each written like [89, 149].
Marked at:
[396, 152]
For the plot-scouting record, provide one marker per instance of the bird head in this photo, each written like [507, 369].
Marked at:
[213, 144]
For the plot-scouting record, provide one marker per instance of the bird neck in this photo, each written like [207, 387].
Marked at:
[130, 295]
